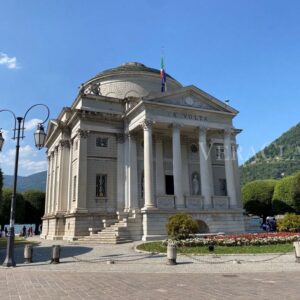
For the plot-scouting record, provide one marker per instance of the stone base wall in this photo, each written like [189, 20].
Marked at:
[154, 222]
[149, 225]
[72, 226]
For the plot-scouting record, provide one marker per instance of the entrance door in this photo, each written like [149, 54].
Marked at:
[169, 184]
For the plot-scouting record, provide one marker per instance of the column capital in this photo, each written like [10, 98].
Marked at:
[82, 133]
[147, 124]
[56, 149]
[203, 129]
[120, 137]
[229, 131]
[64, 143]
[176, 125]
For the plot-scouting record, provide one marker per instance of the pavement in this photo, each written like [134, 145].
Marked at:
[93, 271]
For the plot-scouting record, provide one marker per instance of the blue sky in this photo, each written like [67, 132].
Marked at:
[245, 51]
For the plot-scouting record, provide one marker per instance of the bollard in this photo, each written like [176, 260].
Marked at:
[297, 251]
[55, 254]
[28, 250]
[171, 253]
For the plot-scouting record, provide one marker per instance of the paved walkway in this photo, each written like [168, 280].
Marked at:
[117, 271]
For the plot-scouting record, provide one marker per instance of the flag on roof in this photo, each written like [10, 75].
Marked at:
[163, 76]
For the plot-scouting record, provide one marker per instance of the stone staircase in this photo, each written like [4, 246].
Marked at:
[124, 230]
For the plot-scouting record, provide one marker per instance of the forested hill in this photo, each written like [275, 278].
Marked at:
[280, 158]
[35, 181]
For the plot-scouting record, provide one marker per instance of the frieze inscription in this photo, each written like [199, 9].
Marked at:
[189, 116]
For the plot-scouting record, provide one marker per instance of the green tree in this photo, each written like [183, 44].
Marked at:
[282, 197]
[257, 197]
[6, 204]
[295, 192]
[286, 196]
[34, 207]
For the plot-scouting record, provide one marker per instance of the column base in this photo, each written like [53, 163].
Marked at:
[149, 208]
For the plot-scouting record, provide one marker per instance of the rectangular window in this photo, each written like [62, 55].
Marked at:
[101, 185]
[74, 187]
[101, 142]
[220, 153]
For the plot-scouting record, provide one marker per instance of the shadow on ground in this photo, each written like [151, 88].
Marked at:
[43, 254]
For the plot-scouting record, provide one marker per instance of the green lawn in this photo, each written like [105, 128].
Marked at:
[18, 241]
[280, 248]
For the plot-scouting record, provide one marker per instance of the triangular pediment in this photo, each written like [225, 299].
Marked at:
[192, 97]
[52, 126]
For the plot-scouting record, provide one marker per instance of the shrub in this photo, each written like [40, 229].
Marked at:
[289, 223]
[180, 226]
[257, 197]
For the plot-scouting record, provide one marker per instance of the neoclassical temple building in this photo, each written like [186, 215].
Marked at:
[126, 156]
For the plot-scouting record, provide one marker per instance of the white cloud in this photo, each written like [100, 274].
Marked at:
[9, 62]
[32, 124]
[30, 167]
[27, 164]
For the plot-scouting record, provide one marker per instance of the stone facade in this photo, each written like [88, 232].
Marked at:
[126, 152]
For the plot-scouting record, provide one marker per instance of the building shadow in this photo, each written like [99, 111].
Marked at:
[43, 254]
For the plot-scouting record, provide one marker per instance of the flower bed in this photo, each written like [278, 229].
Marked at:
[270, 238]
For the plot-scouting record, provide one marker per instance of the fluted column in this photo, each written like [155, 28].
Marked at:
[70, 176]
[63, 175]
[58, 182]
[177, 167]
[204, 168]
[148, 165]
[133, 178]
[54, 181]
[51, 187]
[159, 167]
[229, 171]
[120, 173]
[48, 186]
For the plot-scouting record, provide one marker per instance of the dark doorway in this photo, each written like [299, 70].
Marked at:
[169, 185]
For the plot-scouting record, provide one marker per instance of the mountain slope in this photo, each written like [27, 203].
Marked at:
[35, 181]
[280, 158]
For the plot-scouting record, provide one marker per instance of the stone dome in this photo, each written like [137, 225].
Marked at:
[130, 79]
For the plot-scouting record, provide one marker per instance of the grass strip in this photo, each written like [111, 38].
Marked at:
[279, 248]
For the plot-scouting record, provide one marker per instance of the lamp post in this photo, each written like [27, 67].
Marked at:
[40, 137]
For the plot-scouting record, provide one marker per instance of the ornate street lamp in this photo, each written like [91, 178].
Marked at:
[40, 137]
[1, 140]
